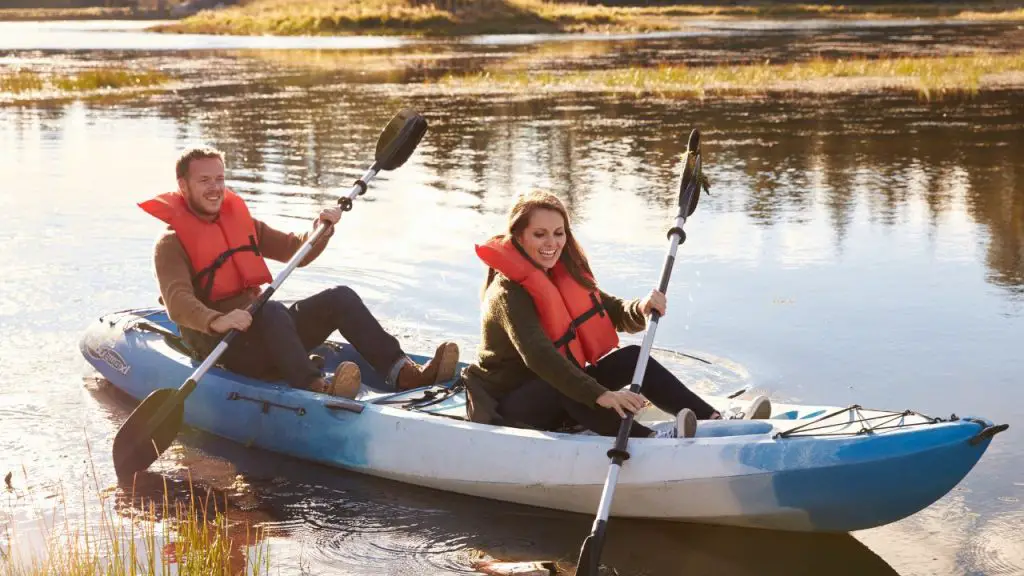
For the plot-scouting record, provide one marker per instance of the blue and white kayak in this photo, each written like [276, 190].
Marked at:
[807, 468]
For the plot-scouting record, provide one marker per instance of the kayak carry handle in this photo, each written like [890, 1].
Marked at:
[987, 433]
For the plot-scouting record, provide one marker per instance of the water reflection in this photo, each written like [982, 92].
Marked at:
[775, 162]
[350, 523]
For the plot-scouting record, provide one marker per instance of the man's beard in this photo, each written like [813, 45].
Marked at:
[198, 210]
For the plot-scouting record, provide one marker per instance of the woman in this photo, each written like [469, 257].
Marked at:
[549, 343]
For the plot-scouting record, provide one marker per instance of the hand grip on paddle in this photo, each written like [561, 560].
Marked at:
[622, 401]
[328, 216]
[654, 302]
[234, 320]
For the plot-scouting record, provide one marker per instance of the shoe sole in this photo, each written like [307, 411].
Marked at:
[447, 363]
[347, 381]
[762, 412]
[689, 426]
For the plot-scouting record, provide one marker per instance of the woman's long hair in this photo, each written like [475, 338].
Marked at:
[572, 256]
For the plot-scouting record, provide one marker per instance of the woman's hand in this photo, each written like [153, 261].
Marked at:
[653, 301]
[622, 401]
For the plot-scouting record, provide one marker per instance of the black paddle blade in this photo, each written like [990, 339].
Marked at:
[690, 183]
[590, 554]
[693, 144]
[140, 441]
[399, 139]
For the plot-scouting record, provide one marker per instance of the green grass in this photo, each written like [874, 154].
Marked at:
[458, 17]
[22, 81]
[188, 537]
[929, 77]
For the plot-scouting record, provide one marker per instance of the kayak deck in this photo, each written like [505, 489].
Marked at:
[448, 399]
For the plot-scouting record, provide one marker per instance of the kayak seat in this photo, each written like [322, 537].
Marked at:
[719, 428]
[171, 337]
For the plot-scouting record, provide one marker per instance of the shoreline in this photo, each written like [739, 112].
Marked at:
[452, 19]
[791, 90]
[783, 90]
[931, 78]
[63, 14]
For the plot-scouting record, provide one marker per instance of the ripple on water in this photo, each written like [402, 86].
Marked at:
[351, 534]
[995, 548]
[949, 537]
[11, 414]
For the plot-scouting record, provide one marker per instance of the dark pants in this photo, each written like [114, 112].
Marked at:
[539, 405]
[278, 342]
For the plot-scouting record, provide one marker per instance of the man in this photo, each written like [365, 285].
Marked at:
[210, 267]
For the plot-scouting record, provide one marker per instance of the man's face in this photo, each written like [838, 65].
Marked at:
[203, 186]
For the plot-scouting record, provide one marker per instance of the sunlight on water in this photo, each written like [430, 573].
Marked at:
[854, 250]
[131, 36]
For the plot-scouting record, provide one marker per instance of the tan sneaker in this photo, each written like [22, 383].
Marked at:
[440, 368]
[760, 408]
[347, 380]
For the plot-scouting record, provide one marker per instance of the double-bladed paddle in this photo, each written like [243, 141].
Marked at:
[154, 423]
[689, 192]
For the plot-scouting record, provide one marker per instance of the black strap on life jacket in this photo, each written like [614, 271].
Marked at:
[203, 280]
[596, 309]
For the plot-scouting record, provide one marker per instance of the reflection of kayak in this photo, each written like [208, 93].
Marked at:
[813, 468]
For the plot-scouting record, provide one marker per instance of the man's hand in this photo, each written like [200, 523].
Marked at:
[234, 320]
[330, 215]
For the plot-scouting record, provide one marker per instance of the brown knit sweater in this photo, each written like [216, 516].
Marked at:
[514, 349]
[193, 316]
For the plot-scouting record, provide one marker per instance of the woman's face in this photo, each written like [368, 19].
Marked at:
[544, 237]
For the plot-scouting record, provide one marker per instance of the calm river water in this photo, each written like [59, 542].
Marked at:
[854, 249]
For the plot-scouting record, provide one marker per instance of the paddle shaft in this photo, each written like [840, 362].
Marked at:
[618, 453]
[590, 554]
[183, 392]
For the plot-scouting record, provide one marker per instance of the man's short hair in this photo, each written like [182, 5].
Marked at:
[197, 153]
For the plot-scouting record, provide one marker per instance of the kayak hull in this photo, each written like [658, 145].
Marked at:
[735, 472]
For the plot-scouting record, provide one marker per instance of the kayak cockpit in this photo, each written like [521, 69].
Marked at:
[448, 400]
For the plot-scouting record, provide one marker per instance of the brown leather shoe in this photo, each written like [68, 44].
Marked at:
[346, 381]
[440, 368]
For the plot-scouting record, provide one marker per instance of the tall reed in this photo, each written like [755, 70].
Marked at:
[125, 535]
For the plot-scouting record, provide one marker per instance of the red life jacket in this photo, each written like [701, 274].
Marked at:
[224, 252]
[572, 316]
